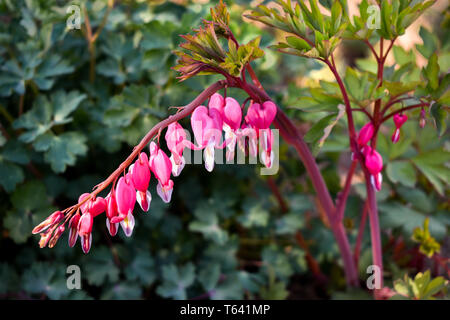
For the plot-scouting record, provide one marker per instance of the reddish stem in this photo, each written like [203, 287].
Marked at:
[420, 105]
[341, 204]
[359, 238]
[291, 134]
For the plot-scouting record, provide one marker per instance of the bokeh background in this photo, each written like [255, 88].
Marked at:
[70, 114]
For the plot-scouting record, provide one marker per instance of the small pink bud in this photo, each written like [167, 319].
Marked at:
[422, 121]
[54, 239]
[400, 119]
[365, 134]
[73, 229]
[373, 161]
[51, 220]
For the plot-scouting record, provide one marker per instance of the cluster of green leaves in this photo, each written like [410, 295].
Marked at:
[422, 287]
[315, 34]
[205, 53]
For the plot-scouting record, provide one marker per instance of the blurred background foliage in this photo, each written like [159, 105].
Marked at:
[70, 113]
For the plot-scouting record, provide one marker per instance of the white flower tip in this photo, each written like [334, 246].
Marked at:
[112, 227]
[164, 193]
[86, 242]
[144, 200]
[127, 224]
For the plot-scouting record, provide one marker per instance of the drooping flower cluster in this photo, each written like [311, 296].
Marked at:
[208, 124]
[372, 159]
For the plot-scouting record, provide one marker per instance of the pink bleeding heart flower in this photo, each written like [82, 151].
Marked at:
[51, 221]
[126, 199]
[217, 102]
[267, 154]
[111, 212]
[162, 168]
[373, 161]
[73, 229]
[140, 174]
[232, 113]
[250, 133]
[261, 116]
[97, 206]
[400, 119]
[207, 127]
[366, 134]
[232, 117]
[374, 164]
[85, 206]
[175, 139]
[422, 121]
[85, 231]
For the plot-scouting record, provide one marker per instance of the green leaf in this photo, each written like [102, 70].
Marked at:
[418, 199]
[403, 172]
[431, 72]
[61, 151]
[64, 104]
[122, 291]
[30, 206]
[439, 115]
[430, 43]
[207, 223]
[433, 166]
[176, 281]
[254, 215]
[142, 268]
[45, 278]
[396, 215]
[290, 223]
[10, 175]
[100, 267]
[209, 276]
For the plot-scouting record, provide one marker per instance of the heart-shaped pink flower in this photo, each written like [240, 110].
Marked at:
[261, 116]
[217, 102]
[140, 173]
[400, 119]
[365, 134]
[232, 113]
[97, 206]
[125, 196]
